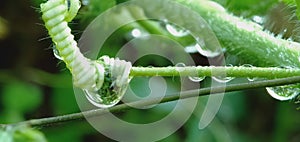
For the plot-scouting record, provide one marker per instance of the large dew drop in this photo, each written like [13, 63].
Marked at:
[97, 100]
[115, 83]
[283, 93]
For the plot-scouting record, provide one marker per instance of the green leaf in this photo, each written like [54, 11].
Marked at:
[63, 101]
[21, 96]
[294, 3]
[9, 116]
[5, 136]
[28, 135]
[248, 8]
[94, 8]
[298, 8]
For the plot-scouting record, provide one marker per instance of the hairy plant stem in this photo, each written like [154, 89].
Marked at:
[188, 94]
[246, 39]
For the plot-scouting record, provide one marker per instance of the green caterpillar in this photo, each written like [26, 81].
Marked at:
[105, 80]
[56, 15]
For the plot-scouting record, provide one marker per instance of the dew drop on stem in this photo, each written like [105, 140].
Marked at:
[284, 93]
[176, 31]
[56, 53]
[223, 78]
[203, 50]
[258, 19]
[250, 78]
[115, 83]
[180, 66]
[196, 79]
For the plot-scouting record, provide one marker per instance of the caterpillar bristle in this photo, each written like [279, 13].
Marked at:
[44, 38]
[283, 22]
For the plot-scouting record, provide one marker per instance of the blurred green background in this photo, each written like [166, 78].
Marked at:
[34, 84]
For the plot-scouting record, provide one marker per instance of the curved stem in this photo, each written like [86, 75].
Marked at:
[169, 98]
[241, 71]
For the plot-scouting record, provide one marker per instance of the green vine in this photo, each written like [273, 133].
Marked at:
[105, 80]
[98, 78]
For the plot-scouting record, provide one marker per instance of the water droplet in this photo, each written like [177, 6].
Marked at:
[176, 31]
[180, 66]
[257, 19]
[190, 49]
[283, 93]
[56, 53]
[136, 33]
[285, 30]
[85, 2]
[165, 21]
[201, 48]
[250, 78]
[96, 99]
[196, 79]
[222, 79]
[114, 85]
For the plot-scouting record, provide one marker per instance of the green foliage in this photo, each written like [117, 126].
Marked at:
[21, 97]
[5, 136]
[248, 8]
[94, 8]
[61, 102]
[28, 135]
[295, 3]
[21, 134]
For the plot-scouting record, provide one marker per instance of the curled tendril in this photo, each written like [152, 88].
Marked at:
[92, 76]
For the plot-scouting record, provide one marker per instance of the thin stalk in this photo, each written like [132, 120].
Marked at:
[183, 95]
